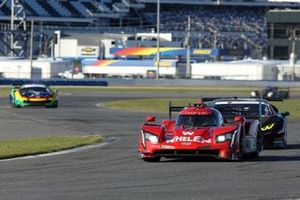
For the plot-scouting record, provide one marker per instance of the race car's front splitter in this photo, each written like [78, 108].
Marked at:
[219, 151]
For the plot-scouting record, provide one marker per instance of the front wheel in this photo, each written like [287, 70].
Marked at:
[283, 145]
[52, 106]
[11, 102]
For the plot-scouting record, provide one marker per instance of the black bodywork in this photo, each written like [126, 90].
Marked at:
[273, 124]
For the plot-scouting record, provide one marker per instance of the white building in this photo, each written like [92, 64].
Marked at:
[41, 68]
[236, 70]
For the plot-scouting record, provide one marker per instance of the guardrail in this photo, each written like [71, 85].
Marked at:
[62, 82]
[199, 83]
[149, 82]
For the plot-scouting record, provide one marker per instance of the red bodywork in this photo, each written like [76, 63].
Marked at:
[168, 140]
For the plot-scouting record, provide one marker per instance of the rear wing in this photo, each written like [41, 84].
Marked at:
[180, 108]
[210, 101]
[240, 98]
[174, 109]
[206, 100]
[274, 99]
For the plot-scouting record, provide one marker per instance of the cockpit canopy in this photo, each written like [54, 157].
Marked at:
[211, 119]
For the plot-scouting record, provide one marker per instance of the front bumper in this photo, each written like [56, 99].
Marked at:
[274, 140]
[219, 150]
[36, 103]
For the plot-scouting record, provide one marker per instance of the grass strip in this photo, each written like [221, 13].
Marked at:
[214, 90]
[152, 105]
[48, 144]
[160, 105]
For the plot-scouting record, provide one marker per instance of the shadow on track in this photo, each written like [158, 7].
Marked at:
[278, 158]
[293, 146]
[289, 146]
[195, 159]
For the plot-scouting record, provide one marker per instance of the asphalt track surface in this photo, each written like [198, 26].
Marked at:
[114, 171]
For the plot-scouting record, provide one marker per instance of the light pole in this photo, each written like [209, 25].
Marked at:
[12, 28]
[188, 50]
[158, 40]
[31, 47]
[293, 55]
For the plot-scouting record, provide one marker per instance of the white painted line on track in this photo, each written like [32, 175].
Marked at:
[106, 142]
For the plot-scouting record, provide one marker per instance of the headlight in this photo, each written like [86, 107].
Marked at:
[224, 137]
[253, 94]
[270, 94]
[151, 137]
[148, 136]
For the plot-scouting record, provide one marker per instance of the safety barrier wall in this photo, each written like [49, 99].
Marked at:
[199, 83]
[150, 82]
[62, 82]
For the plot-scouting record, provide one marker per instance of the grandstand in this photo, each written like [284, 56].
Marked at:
[239, 24]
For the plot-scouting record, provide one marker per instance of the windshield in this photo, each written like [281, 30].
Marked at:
[34, 90]
[247, 110]
[195, 121]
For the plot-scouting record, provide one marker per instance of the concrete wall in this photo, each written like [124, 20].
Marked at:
[198, 83]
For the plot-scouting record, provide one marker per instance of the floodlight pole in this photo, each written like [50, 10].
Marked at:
[188, 50]
[158, 40]
[12, 28]
[293, 56]
[31, 47]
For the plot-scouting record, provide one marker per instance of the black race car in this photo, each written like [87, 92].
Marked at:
[273, 124]
[272, 93]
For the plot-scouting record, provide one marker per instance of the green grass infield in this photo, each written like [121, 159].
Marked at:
[4, 90]
[47, 144]
[160, 105]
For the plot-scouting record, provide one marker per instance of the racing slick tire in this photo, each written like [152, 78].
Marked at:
[52, 106]
[152, 159]
[259, 147]
[12, 103]
[284, 142]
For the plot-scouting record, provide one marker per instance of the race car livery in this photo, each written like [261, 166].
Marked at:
[33, 95]
[273, 124]
[198, 131]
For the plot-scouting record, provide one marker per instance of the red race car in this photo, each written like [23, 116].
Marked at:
[199, 131]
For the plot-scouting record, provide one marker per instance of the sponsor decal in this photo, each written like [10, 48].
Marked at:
[197, 139]
[267, 127]
[167, 147]
[186, 143]
[187, 133]
[164, 64]
[88, 51]
[202, 51]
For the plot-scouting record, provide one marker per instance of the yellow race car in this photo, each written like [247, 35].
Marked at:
[33, 95]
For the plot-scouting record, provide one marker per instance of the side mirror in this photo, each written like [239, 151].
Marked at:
[150, 119]
[166, 123]
[239, 119]
[285, 113]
